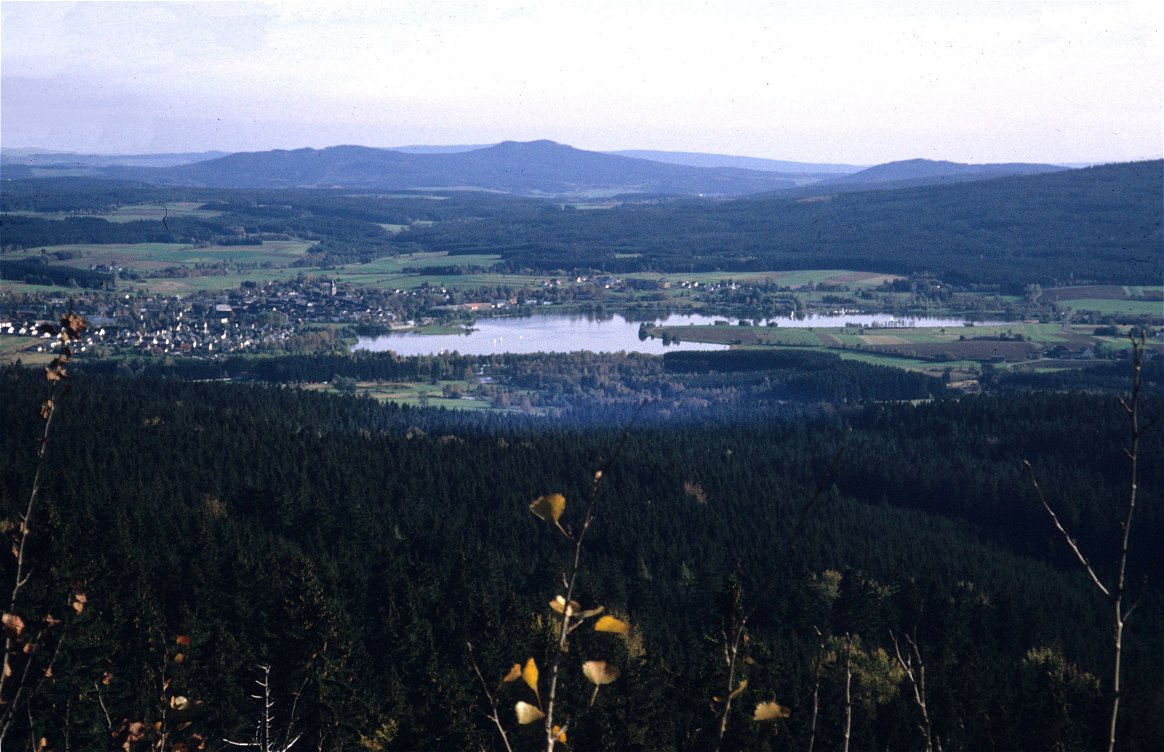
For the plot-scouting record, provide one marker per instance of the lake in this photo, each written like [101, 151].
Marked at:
[615, 333]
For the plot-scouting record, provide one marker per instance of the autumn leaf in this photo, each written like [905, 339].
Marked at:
[770, 711]
[79, 601]
[559, 734]
[182, 641]
[549, 507]
[611, 624]
[530, 675]
[559, 605]
[527, 713]
[513, 675]
[178, 702]
[72, 325]
[600, 672]
[13, 626]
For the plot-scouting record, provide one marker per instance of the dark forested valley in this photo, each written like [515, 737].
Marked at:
[189, 531]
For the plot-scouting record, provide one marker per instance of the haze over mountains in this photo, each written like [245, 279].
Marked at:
[537, 168]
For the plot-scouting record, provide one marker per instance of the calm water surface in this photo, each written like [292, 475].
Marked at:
[570, 333]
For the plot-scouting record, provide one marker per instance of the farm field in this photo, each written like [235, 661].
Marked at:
[14, 348]
[146, 257]
[792, 279]
[1114, 307]
[158, 212]
[920, 347]
[411, 393]
[389, 272]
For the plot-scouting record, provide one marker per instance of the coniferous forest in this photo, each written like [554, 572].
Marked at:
[881, 571]
[223, 528]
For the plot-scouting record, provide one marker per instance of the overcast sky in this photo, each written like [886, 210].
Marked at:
[857, 83]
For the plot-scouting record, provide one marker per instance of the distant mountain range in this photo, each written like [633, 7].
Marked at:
[699, 159]
[46, 158]
[536, 168]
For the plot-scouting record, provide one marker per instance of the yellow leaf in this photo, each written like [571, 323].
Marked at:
[611, 624]
[600, 672]
[558, 604]
[527, 713]
[770, 711]
[559, 734]
[178, 702]
[549, 508]
[514, 674]
[739, 689]
[13, 626]
[530, 675]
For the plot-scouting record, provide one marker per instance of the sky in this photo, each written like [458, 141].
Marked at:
[856, 83]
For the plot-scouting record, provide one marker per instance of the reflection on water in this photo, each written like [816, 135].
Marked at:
[615, 333]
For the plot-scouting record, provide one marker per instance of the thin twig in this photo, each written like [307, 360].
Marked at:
[494, 715]
[572, 579]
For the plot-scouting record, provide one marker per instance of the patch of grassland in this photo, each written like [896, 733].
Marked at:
[793, 279]
[410, 393]
[146, 257]
[158, 212]
[1116, 307]
[13, 348]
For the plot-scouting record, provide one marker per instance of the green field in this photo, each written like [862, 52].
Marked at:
[146, 257]
[792, 279]
[388, 273]
[412, 393]
[157, 212]
[1117, 307]
[14, 348]
[136, 212]
[923, 349]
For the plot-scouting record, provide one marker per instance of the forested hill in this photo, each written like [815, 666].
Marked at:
[1099, 224]
[916, 172]
[356, 548]
[533, 168]
[536, 168]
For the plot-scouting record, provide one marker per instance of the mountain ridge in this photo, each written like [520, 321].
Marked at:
[540, 168]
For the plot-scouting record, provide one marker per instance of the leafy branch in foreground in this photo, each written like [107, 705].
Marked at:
[735, 630]
[28, 636]
[1114, 591]
[570, 615]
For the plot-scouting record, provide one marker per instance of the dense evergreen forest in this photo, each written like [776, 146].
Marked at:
[1098, 225]
[187, 532]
